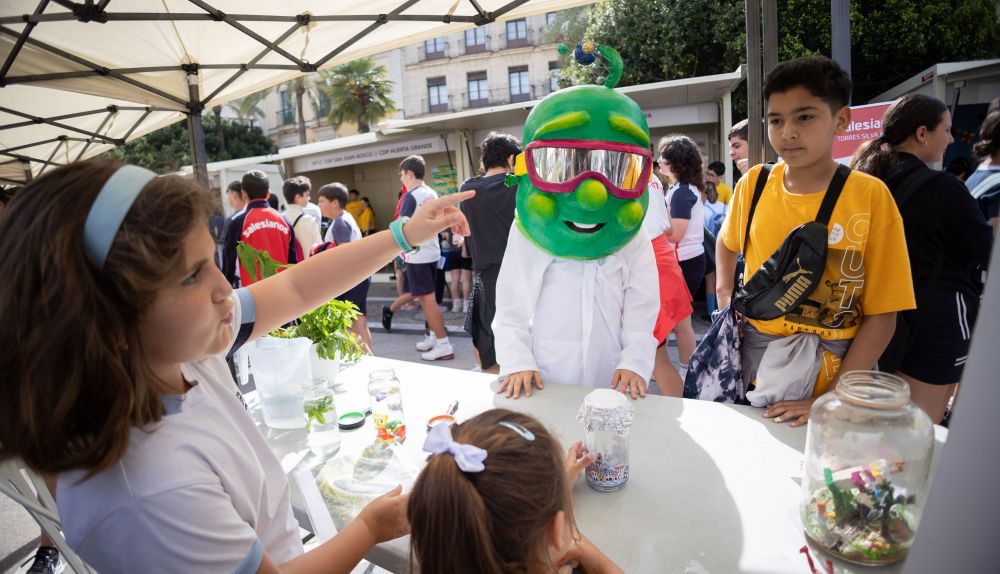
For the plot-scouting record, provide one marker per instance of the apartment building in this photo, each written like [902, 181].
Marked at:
[499, 63]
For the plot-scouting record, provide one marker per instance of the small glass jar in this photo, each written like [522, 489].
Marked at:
[387, 406]
[868, 455]
[606, 416]
[322, 425]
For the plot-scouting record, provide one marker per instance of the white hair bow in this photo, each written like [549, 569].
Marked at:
[469, 458]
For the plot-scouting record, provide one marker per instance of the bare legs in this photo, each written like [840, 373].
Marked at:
[933, 399]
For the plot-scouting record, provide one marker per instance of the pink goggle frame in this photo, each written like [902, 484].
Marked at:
[617, 158]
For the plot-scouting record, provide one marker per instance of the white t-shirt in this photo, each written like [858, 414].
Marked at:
[347, 218]
[305, 227]
[202, 492]
[684, 202]
[657, 220]
[430, 252]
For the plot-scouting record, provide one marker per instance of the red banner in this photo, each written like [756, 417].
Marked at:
[866, 124]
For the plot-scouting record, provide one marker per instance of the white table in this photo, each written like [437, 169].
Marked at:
[713, 488]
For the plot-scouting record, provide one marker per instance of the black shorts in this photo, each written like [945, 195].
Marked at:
[479, 321]
[455, 261]
[358, 295]
[931, 343]
[694, 272]
[421, 278]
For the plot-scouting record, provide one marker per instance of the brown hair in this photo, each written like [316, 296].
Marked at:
[74, 378]
[684, 157]
[334, 192]
[741, 130]
[901, 121]
[989, 136]
[494, 521]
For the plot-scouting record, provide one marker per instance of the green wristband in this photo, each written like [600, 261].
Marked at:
[397, 233]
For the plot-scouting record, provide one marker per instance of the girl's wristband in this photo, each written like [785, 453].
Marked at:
[396, 227]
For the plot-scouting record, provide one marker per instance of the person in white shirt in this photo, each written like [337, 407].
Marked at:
[681, 160]
[304, 226]
[421, 267]
[159, 466]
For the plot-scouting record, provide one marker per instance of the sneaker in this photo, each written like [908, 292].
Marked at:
[46, 561]
[387, 317]
[427, 344]
[439, 353]
[456, 306]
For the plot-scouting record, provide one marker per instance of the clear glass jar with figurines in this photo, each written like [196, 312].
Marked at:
[868, 456]
[606, 416]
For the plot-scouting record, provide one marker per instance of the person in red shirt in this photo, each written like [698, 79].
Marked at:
[259, 226]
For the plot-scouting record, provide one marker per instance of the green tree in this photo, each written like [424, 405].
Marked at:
[167, 150]
[359, 92]
[892, 39]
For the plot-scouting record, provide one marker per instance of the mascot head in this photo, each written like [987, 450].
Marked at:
[581, 179]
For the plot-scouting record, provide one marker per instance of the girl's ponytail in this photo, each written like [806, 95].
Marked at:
[874, 157]
[494, 521]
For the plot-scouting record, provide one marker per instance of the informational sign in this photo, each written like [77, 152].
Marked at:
[866, 124]
[368, 153]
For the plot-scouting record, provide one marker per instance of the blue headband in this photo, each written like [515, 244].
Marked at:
[109, 210]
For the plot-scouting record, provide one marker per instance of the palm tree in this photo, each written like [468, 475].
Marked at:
[247, 109]
[219, 135]
[358, 92]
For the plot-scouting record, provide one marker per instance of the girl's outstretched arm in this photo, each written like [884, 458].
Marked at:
[292, 293]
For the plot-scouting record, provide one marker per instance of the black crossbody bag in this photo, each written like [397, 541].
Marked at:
[792, 272]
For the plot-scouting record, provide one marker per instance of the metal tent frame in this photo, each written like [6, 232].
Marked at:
[93, 13]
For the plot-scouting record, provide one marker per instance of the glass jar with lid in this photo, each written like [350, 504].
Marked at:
[868, 456]
[606, 416]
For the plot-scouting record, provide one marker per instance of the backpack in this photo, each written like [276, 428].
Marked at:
[987, 192]
[792, 272]
[299, 251]
[715, 220]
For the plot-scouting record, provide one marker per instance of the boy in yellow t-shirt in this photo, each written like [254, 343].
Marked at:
[714, 174]
[867, 275]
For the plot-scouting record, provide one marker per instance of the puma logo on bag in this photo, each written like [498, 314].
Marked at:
[801, 285]
[795, 274]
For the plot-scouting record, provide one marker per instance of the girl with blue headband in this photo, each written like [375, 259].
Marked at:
[112, 347]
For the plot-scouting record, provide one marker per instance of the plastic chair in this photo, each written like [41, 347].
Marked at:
[28, 489]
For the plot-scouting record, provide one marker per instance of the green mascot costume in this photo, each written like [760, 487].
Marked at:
[577, 295]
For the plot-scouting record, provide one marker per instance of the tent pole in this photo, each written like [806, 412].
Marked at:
[196, 132]
[755, 62]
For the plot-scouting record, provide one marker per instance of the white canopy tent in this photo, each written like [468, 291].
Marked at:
[79, 77]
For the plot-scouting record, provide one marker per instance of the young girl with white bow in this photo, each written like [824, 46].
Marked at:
[470, 510]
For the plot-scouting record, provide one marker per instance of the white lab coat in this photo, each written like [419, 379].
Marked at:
[576, 321]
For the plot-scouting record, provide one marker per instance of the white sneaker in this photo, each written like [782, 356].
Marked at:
[427, 344]
[456, 306]
[465, 306]
[439, 353]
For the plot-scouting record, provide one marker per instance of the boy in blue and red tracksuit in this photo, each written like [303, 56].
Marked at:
[259, 226]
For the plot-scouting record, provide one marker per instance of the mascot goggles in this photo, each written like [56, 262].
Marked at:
[558, 166]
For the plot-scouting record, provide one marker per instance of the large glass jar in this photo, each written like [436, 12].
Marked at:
[868, 455]
[606, 416]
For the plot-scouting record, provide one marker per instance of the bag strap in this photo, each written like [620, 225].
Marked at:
[765, 171]
[833, 193]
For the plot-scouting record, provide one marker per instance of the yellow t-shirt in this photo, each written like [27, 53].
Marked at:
[355, 208]
[867, 265]
[366, 220]
[725, 192]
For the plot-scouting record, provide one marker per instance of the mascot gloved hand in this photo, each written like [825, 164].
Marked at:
[577, 294]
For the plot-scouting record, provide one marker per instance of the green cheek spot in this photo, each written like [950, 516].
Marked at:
[630, 214]
[591, 195]
[542, 206]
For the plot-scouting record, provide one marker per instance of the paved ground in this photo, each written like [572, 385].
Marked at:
[19, 533]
